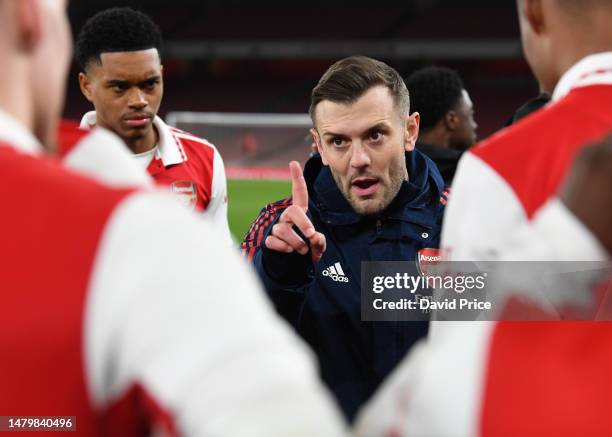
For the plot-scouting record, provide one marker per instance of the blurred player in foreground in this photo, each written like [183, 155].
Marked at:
[507, 181]
[95, 324]
[516, 378]
[510, 378]
[119, 53]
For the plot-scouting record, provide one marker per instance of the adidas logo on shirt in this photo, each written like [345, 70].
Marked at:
[335, 273]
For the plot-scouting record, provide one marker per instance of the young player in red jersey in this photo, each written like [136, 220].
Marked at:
[119, 53]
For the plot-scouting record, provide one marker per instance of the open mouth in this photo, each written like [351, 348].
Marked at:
[365, 186]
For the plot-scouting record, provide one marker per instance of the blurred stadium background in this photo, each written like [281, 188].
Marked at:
[253, 64]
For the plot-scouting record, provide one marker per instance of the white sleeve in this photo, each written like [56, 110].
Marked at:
[482, 208]
[216, 210]
[437, 390]
[485, 221]
[102, 156]
[175, 310]
[554, 234]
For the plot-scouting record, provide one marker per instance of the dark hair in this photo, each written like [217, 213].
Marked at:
[434, 91]
[116, 30]
[348, 79]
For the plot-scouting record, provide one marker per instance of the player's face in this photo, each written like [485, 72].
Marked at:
[363, 144]
[126, 89]
[464, 136]
[50, 64]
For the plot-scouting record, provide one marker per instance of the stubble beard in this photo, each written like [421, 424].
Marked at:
[368, 207]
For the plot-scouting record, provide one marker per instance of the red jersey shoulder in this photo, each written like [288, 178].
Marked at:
[575, 119]
[533, 156]
[193, 178]
[193, 146]
[44, 173]
[69, 134]
[197, 152]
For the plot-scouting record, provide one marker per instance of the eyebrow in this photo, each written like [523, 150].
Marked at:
[333, 135]
[151, 79]
[121, 82]
[381, 125]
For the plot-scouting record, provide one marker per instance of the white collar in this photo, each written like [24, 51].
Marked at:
[593, 69]
[169, 151]
[13, 132]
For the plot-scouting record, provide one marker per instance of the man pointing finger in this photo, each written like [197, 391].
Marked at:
[283, 237]
[367, 196]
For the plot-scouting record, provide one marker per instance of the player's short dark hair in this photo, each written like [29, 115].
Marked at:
[350, 78]
[433, 92]
[116, 30]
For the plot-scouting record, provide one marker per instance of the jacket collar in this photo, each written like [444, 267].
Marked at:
[15, 134]
[412, 202]
[169, 149]
[594, 69]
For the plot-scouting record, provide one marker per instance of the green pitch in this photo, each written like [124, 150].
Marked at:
[247, 197]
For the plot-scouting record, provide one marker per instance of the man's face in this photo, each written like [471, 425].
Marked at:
[464, 136]
[363, 144]
[126, 89]
[50, 64]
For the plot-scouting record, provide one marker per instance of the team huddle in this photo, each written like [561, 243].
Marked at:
[125, 306]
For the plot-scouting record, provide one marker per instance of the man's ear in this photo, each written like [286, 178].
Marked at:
[316, 139]
[29, 25]
[85, 85]
[412, 131]
[451, 120]
[533, 12]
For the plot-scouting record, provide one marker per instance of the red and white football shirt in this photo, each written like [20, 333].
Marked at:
[514, 378]
[95, 324]
[502, 183]
[191, 167]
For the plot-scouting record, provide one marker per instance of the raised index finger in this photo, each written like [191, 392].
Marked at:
[299, 192]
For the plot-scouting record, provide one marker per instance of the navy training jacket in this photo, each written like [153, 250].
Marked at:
[322, 301]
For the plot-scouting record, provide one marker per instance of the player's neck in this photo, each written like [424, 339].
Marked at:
[16, 98]
[596, 39]
[144, 143]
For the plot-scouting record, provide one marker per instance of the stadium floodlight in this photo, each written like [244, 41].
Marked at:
[250, 140]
